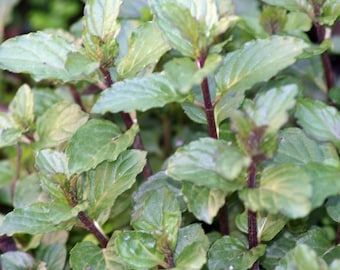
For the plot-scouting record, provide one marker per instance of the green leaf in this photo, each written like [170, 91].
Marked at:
[141, 94]
[330, 12]
[27, 191]
[194, 112]
[21, 107]
[298, 21]
[270, 108]
[324, 180]
[231, 253]
[283, 189]
[7, 173]
[50, 162]
[44, 98]
[317, 239]
[277, 250]
[184, 72]
[146, 46]
[87, 255]
[203, 202]
[319, 120]
[191, 248]
[59, 123]
[40, 217]
[139, 249]
[227, 105]
[159, 214]
[294, 5]
[9, 133]
[110, 179]
[187, 25]
[300, 258]
[335, 265]
[101, 18]
[257, 61]
[17, 260]
[41, 54]
[295, 147]
[208, 159]
[333, 207]
[53, 255]
[80, 67]
[268, 225]
[101, 140]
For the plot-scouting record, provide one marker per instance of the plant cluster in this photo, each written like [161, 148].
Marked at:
[255, 184]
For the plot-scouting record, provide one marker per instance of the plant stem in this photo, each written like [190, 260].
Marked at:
[91, 227]
[212, 129]
[7, 243]
[128, 121]
[320, 34]
[337, 239]
[76, 97]
[252, 223]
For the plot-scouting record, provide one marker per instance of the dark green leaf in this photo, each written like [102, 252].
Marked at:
[141, 94]
[86, 255]
[231, 253]
[208, 159]
[43, 55]
[257, 61]
[59, 123]
[96, 141]
[158, 213]
[333, 207]
[53, 255]
[40, 218]
[318, 120]
[294, 5]
[203, 202]
[295, 147]
[146, 46]
[283, 189]
[317, 239]
[139, 249]
[17, 260]
[110, 179]
[300, 258]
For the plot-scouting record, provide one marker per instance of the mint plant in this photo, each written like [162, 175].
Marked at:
[255, 184]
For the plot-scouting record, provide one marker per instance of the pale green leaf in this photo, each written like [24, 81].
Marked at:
[284, 189]
[335, 265]
[53, 255]
[59, 123]
[333, 207]
[44, 98]
[141, 94]
[22, 107]
[319, 120]
[298, 21]
[203, 202]
[9, 133]
[257, 61]
[185, 74]
[133, 8]
[294, 5]
[110, 179]
[231, 253]
[210, 163]
[96, 141]
[50, 162]
[330, 12]
[40, 218]
[43, 55]
[270, 108]
[324, 180]
[268, 225]
[317, 239]
[295, 147]
[300, 258]
[158, 213]
[138, 249]
[188, 25]
[7, 171]
[194, 112]
[80, 67]
[146, 46]
[101, 17]
[227, 104]
[17, 260]
[87, 255]
[27, 191]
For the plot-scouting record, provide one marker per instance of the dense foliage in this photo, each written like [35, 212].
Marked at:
[172, 134]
